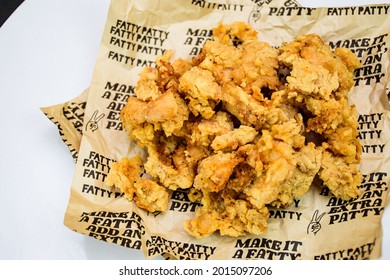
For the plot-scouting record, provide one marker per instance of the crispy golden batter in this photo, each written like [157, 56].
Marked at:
[147, 194]
[176, 169]
[339, 176]
[312, 50]
[227, 126]
[233, 139]
[214, 171]
[142, 119]
[201, 90]
[151, 196]
[123, 175]
[247, 109]
[204, 131]
[277, 165]
[308, 163]
[229, 213]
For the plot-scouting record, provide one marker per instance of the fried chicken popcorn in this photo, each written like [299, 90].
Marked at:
[147, 194]
[227, 127]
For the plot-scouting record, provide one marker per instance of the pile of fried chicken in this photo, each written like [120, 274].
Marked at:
[243, 126]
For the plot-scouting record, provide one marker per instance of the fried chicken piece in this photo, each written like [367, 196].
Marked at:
[316, 71]
[233, 139]
[214, 171]
[181, 66]
[344, 143]
[343, 140]
[290, 131]
[157, 105]
[203, 132]
[147, 88]
[176, 170]
[340, 177]
[257, 67]
[277, 165]
[141, 119]
[203, 224]
[228, 213]
[242, 177]
[247, 109]
[201, 90]
[342, 62]
[337, 123]
[312, 79]
[349, 59]
[151, 196]
[249, 64]
[147, 194]
[154, 81]
[308, 163]
[175, 124]
[219, 58]
[226, 33]
[242, 217]
[162, 168]
[124, 174]
[320, 80]
[326, 114]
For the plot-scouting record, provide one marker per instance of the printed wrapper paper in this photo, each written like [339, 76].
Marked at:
[69, 119]
[135, 34]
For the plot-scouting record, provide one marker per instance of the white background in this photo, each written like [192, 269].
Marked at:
[47, 54]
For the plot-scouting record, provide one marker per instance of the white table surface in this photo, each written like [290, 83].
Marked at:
[47, 53]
